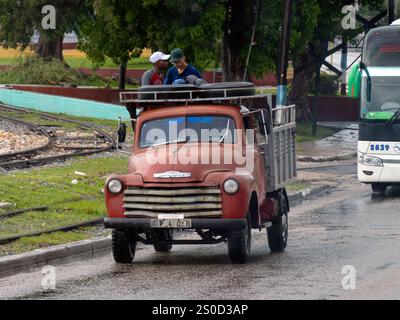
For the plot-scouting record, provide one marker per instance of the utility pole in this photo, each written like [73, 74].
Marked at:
[343, 86]
[391, 7]
[284, 54]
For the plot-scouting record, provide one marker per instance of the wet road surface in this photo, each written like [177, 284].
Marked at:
[346, 227]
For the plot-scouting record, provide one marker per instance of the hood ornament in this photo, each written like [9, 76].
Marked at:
[172, 174]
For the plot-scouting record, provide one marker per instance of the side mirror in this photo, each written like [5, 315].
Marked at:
[369, 81]
[121, 132]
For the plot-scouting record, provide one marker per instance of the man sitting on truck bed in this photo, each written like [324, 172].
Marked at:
[181, 70]
[155, 76]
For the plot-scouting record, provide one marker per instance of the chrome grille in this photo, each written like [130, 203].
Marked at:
[191, 202]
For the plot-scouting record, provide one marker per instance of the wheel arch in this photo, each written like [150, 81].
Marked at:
[254, 209]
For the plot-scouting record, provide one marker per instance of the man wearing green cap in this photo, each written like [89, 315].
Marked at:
[181, 70]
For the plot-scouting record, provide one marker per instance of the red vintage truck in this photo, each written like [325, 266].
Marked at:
[212, 159]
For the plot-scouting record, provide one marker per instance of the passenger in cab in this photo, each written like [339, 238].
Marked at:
[181, 70]
[155, 76]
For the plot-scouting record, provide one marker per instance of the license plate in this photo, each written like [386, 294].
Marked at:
[171, 223]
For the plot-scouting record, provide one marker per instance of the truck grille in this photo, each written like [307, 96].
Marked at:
[192, 201]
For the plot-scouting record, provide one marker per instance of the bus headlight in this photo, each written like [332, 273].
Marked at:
[231, 186]
[115, 186]
[370, 160]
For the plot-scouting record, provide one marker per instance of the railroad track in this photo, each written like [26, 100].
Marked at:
[70, 227]
[66, 138]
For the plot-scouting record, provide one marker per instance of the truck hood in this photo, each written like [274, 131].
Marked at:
[184, 163]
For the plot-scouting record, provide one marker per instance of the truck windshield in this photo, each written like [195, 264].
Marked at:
[385, 98]
[208, 128]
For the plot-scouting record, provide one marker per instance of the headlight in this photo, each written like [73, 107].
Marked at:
[115, 186]
[231, 186]
[370, 160]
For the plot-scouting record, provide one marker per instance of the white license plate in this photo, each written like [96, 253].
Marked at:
[171, 223]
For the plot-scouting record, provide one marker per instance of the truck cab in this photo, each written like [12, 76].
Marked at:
[214, 162]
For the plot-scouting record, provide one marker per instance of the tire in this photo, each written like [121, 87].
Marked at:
[160, 96]
[244, 89]
[163, 235]
[379, 188]
[278, 232]
[123, 246]
[239, 244]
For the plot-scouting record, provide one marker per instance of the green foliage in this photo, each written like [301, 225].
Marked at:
[265, 52]
[329, 85]
[19, 19]
[120, 29]
[304, 133]
[36, 70]
[116, 30]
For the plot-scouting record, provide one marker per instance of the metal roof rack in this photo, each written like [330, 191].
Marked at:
[188, 96]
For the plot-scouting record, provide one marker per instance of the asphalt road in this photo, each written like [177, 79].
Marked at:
[346, 227]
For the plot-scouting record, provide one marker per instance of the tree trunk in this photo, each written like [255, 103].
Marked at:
[122, 75]
[304, 71]
[50, 48]
[298, 94]
[235, 37]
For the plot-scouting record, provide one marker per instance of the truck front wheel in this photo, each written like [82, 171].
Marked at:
[163, 235]
[239, 244]
[278, 232]
[123, 246]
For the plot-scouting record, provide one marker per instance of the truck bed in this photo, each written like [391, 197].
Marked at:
[280, 151]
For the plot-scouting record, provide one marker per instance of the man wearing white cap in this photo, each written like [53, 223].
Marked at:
[155, 76]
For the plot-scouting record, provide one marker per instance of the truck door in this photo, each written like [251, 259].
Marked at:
[260, 126]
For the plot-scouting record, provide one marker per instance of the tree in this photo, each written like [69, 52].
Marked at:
[193, 25]
[116, 30]
[20, 19]
[120, 29]
[307, 61]
[221, 32]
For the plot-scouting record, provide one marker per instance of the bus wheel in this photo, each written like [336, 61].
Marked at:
[379, 188]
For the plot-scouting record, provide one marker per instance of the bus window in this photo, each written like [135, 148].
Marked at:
[383, 53]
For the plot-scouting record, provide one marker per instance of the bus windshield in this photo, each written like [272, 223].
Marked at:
[385, 98]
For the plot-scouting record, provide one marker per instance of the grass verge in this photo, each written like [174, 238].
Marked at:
[304, 132]
[69, 203]
[297, 186]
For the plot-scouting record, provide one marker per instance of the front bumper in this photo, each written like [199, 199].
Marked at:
[197, 224]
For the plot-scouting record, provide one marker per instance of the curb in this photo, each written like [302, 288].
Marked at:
[307, 193]
[45, 256]
[348, 156]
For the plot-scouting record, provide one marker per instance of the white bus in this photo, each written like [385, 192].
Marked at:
[379, 136]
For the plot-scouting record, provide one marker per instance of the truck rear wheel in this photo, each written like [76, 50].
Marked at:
[379, 188]
[239, 244]
[163, 235]
[278, 232]
[123, 246]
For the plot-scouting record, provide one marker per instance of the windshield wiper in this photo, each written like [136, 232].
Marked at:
[226, 132]
[169, 142]
[392, 120]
